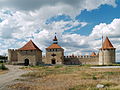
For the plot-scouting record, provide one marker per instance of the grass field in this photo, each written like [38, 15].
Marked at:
[68, 78]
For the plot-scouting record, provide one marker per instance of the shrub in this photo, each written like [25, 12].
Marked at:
[2, 67]
[94, 78]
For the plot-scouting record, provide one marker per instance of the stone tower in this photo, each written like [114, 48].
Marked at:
[54, 53]
[107, 53]
[29, 54]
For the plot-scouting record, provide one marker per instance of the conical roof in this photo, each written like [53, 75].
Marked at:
[93, 54]
[107, 44]
[29, 46]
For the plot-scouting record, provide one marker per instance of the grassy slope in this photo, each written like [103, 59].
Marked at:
[68, 78]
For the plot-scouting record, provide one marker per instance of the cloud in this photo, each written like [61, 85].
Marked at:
[111, 30]
[54, 7]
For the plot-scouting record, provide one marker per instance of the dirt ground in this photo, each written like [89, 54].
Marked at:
[13, 73]
[67, 78]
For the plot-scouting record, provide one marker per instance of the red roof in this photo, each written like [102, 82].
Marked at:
[107, 44]
[29, 46]
[53, 46]
[93, 54]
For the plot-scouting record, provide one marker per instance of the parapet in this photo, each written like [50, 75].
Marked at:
[12, 49]
[80, 56]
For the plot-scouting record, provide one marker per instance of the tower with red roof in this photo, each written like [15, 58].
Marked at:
[107, 53]
[54, 53]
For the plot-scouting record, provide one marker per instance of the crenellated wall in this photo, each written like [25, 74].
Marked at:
[12, 55]
[75, 60]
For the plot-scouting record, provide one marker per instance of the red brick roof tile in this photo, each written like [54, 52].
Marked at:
[53, 46]
[29, 46]
[107, 44]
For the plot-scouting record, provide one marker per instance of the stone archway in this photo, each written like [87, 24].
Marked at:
[53, 61]
[26, 62]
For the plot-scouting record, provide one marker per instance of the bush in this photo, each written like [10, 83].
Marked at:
[94, 78]
[2, 67]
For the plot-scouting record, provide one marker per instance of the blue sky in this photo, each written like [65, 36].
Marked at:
[104, 14]
[79, 24]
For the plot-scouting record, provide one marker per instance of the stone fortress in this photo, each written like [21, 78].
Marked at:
[30, 54]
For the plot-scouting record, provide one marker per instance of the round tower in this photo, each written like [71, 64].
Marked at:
[107, 53]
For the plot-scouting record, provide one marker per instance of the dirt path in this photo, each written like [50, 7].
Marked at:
[13, 73]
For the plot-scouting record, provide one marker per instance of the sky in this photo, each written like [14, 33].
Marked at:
[79, 24]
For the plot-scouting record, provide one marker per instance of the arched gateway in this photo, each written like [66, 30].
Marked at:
[26, 62]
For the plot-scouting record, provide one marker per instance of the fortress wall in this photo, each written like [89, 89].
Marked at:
[34, 57]
[107, 57]
[38, 57]
[12, 55]
[81, 60]
[59, 58]
[22, 55]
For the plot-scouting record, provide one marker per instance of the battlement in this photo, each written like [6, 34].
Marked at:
[10, 50]
[80, 56]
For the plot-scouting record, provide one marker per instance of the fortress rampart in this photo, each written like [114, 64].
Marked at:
[75, 60]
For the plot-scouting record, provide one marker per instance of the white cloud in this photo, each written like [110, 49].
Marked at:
[111, 30]
[53, 7]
